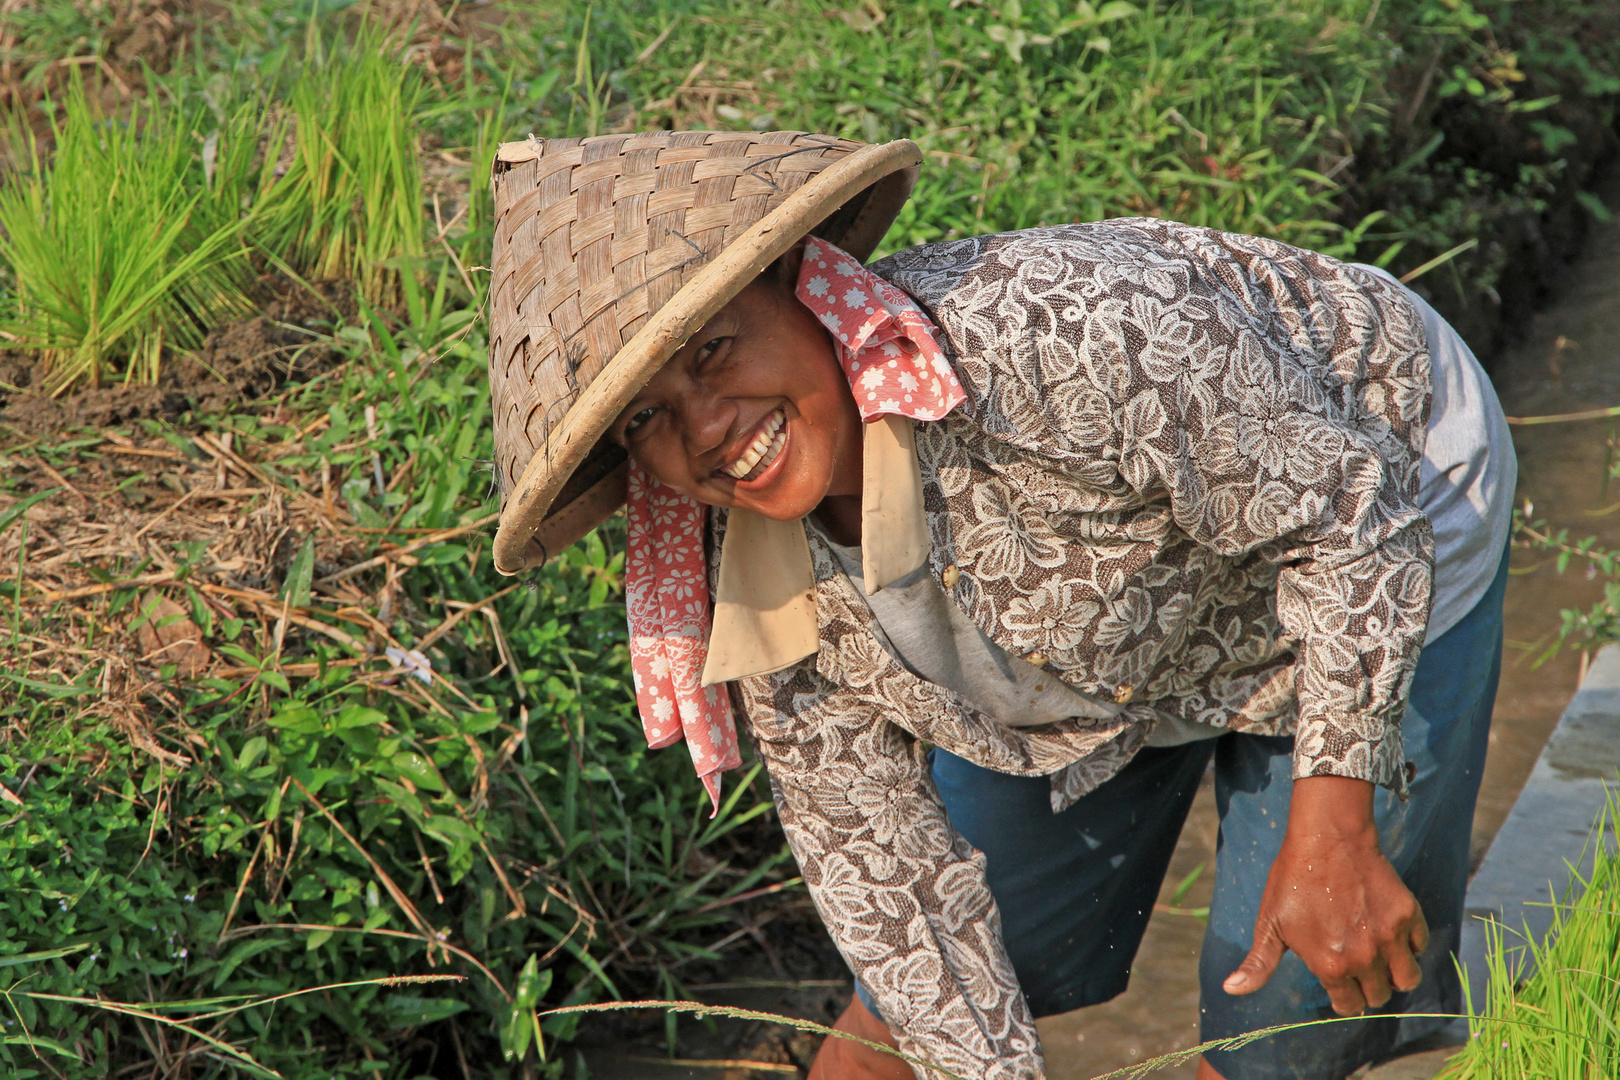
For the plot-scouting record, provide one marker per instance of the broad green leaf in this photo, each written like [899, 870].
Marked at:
[45, 954]
[35, 1041]
[408, 1010]
[418, 770]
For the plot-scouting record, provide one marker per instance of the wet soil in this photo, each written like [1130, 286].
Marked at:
[239, 364]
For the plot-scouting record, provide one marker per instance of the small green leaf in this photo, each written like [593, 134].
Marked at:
[1592, 204]
[240, 955]
[251, 750]
[450, 828]
[408, 1010]
[300, 575]
[418, 770]
[355, 716]
[531, 985]
[1115, 9]
[54, 690]
[20, 507]
[308, 887]
[45, 954]
[519, 1026]
[35, 1041]
[443, 554]
[299, 718]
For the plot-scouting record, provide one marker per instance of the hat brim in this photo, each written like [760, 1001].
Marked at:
[559, 498]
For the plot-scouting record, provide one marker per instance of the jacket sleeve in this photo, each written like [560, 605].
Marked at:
[903, 894]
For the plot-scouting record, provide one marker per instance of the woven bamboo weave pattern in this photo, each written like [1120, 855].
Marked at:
[593, 236]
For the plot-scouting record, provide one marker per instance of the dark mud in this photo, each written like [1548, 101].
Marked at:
[239, 365]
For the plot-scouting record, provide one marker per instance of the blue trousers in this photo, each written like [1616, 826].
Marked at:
[1076, 889]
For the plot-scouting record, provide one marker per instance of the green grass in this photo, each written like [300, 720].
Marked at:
[350, 204]
[1564, 1020]
[519, 780]
[1039, 112]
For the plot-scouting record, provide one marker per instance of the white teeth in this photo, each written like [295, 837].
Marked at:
[766, 445]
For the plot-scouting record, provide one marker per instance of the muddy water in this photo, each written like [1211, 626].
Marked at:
[1569, 360]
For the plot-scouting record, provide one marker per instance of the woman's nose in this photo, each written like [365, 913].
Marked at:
[706, 420]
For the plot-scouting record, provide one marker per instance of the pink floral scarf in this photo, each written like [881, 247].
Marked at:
[887, 349]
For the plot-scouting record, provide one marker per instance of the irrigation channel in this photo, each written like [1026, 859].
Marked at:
[1567, 359]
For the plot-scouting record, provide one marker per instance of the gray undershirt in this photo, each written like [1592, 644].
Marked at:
[937, 642]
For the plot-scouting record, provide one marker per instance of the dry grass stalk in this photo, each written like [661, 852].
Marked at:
[196, 539]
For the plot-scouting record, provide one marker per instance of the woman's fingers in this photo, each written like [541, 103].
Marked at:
[1346, 995]
[1375, 987]
[1404, 972]
[1262, 960]
[1419, 937]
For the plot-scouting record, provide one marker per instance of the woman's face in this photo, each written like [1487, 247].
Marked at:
[753, 411]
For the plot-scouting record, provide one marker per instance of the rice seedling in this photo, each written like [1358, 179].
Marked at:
[350, 202]
[124, 240]
[1562, 1020]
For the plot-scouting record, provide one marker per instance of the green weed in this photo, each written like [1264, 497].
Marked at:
[1031, 112]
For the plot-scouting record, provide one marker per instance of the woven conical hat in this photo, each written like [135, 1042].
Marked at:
[609, 253]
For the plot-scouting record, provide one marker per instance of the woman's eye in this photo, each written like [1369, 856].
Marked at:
[638, 419]
[708, 349]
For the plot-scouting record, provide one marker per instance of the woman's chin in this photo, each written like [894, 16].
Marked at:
[779, 506]
[789, 497]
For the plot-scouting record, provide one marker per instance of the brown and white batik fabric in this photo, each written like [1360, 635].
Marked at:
[1183, 481]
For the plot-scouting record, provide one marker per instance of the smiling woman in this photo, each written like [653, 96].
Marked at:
[1082, 509]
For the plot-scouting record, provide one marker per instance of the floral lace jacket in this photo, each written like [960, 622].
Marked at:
[1183, 481]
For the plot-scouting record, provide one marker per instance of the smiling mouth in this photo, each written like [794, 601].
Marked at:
[767, 444]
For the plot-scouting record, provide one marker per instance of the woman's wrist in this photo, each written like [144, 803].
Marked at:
[1333, 808]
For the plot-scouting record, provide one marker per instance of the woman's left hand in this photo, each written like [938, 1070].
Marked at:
[1336, 901]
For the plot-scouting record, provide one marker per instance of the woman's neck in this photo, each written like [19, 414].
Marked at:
[840, 516]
